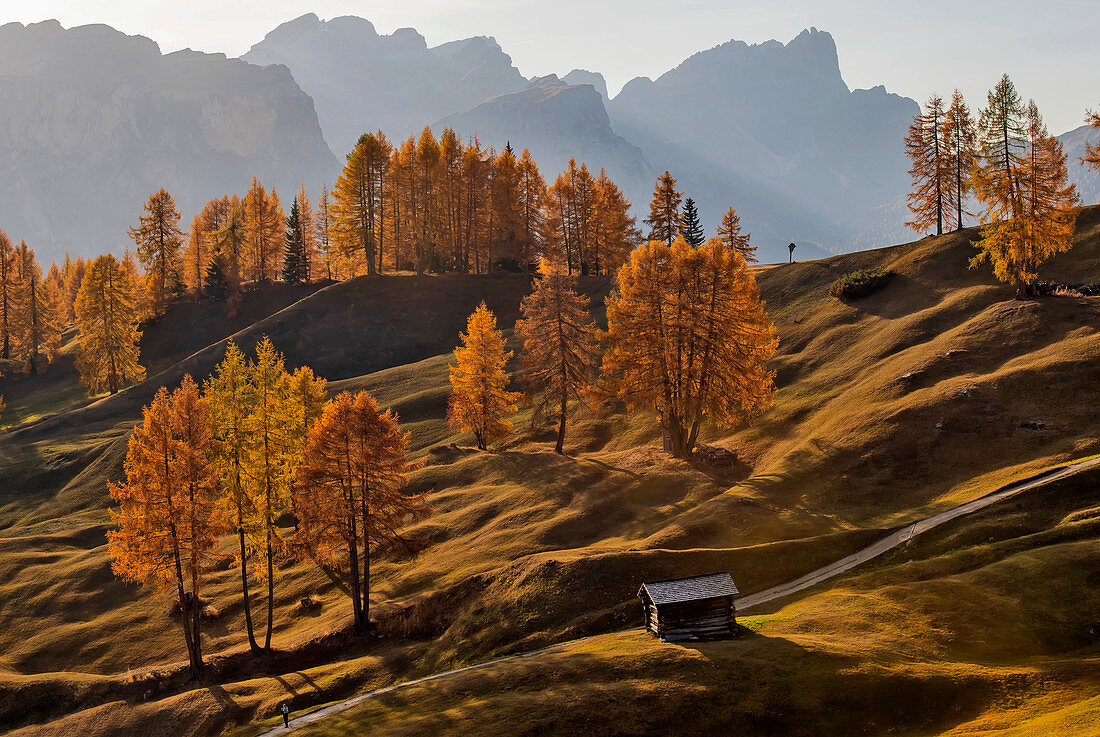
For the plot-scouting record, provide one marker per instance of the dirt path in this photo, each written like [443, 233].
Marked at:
[744, 603]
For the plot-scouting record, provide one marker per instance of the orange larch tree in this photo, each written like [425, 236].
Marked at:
[229, 394]
[165, 528]
[532, 193]
[559, 343]
[931, 176]
[960, 138]
[38, 321]
[348, 497]
[614, 230]
[159, 242]
[9, 295]
[357, 206]
[480, 401]
[1022, 179]
[274, 432]
[729, 232]
[201, 247]
[107, 316]
[688, 334]
[264, 232]
[664, 210]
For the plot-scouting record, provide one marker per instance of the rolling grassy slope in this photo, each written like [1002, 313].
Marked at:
[871, 428]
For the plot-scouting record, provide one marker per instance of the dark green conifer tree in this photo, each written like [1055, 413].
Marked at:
[690, 227]
[214, 283]
[294, 256]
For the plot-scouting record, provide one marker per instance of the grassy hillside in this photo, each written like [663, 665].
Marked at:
[905, 402]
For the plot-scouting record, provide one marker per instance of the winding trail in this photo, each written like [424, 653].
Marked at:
[891, 541]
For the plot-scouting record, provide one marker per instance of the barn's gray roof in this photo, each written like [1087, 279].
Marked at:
[695, 588]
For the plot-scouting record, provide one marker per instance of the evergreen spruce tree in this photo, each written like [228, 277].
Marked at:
[214, 284]
[294, 255]
[690, 227]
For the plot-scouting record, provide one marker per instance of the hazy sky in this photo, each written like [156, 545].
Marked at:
[912, 46]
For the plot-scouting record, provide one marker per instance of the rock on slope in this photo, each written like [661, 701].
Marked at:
[773, 129]
[361, 80]
[92, 121]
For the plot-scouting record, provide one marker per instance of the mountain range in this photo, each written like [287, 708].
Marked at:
[93, 121]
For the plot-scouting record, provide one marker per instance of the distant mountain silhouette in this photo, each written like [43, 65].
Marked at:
[583, 76]
[556, 121]
[773, 130]
[362, 81]
[94, 121]
[1087, 180]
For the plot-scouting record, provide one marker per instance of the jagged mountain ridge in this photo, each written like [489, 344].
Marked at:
[777, 124]
[92, 121]
[1087, 180]
[557, 121]
[772, 128]
[362, 81]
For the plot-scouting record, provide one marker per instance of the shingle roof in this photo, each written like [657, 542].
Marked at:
[689, 589]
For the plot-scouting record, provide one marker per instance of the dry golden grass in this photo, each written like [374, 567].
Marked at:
[527, 548]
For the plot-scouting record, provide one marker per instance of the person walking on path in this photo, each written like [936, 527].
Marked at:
[286, 715]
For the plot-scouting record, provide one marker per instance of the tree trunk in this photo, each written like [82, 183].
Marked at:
[252, 644]
[270, 591]
[356, 601]
[193, 654]
[559, 448]
[679, 439]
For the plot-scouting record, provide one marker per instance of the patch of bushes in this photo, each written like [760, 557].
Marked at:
[860, 283]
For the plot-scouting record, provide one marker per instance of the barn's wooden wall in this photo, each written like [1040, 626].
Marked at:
[700, 619]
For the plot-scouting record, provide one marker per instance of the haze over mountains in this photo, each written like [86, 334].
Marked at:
[93, 121]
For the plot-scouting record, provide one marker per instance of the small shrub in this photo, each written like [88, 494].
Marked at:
[860, 283]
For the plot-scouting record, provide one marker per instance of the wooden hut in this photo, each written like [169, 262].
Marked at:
[695, 608]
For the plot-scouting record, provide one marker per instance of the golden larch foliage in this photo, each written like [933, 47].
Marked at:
[201, 246]
[664, 210]
[307, 224]
[348, 497]
[74, 277]
[729, 232]
[1092, 153]
[165, 528]
[264, 233]
[38, 323]
[559, 343]
[159, 242]
[688, 335]
[357, 205]
[960, 137]
[614, 230]
[532, 192]
[106, 314]
[274, 432]
[230, 395]
[10, 289]
[480, 401]
[310, 392]
[326, 241]
[931, 175]
[231, 244]
[1024, 185]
